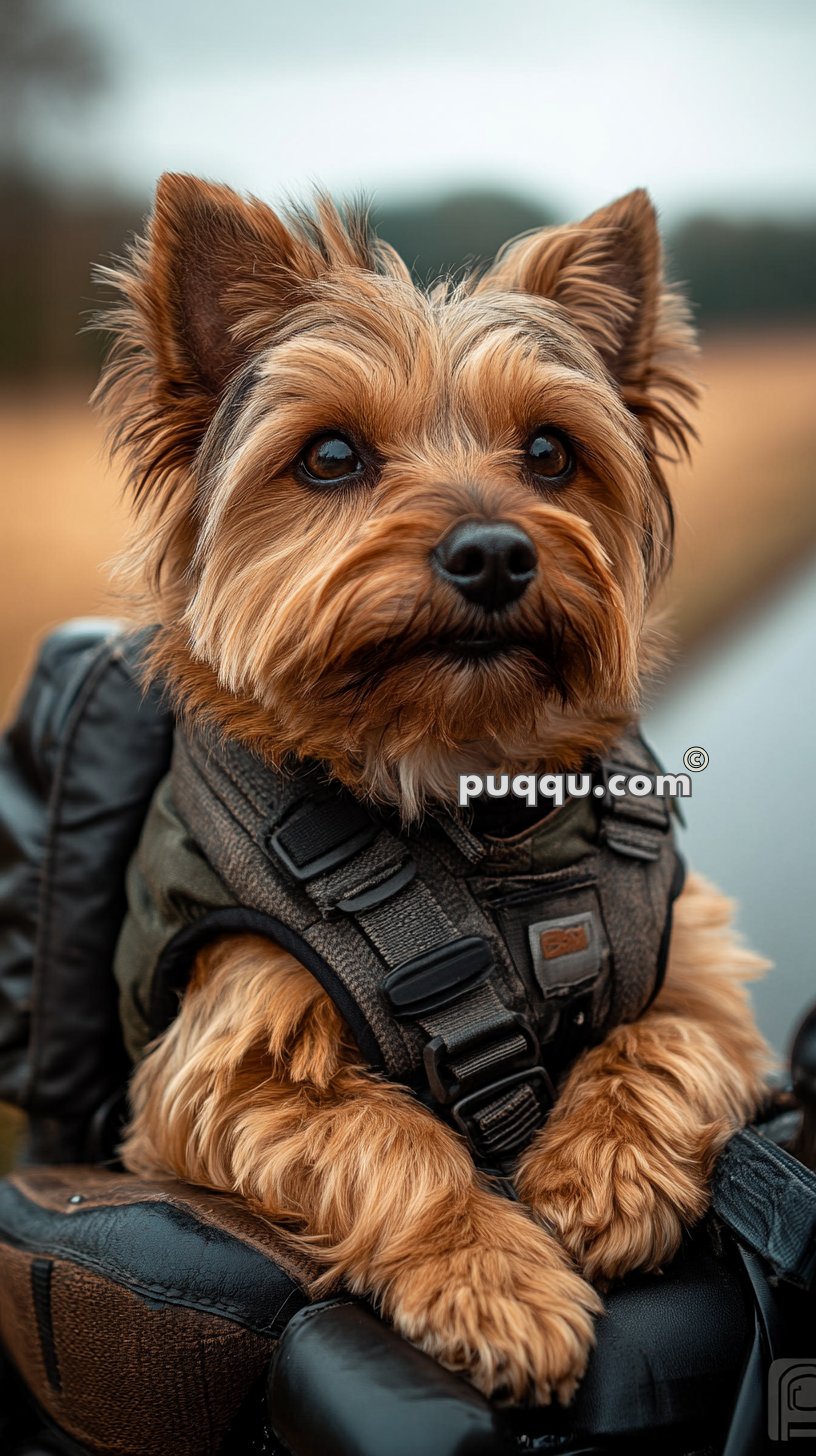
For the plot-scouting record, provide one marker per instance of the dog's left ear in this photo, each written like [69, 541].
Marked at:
[606, 272]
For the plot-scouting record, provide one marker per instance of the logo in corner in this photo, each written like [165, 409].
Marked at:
[792, 1400]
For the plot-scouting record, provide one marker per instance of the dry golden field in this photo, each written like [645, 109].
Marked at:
[746, 510]
[746, 507]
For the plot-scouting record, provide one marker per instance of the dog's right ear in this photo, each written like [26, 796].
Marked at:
[198, 296]
[213, 272]
[202, 292]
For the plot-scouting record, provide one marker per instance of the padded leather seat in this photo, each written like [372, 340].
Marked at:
[669, 1353]
[670, 1350]
[141, 1315]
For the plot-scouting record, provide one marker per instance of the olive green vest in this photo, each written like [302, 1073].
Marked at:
[473, 970]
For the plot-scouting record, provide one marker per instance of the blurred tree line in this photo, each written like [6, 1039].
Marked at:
[738, 272]
[761, 270]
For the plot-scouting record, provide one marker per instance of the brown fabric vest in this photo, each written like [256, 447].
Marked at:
[472, 969]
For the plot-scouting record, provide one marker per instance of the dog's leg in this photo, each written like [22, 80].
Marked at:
[623, 1163]
[256, 1088]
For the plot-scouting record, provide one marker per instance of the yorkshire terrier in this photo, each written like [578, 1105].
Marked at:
[303, 427]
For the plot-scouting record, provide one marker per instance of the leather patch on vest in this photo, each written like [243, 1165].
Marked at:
[563, 940]
[567, 952]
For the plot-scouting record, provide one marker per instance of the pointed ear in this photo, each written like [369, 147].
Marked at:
[195, 299]
[606, 272]
[212, 264]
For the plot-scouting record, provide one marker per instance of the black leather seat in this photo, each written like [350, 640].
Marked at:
[139, 1315]
[174, 1272]
[669, 1352]
[666, 1366]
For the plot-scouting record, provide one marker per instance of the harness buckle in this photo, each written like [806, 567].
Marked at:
[320, 835]
[443, 1084]
[506, 1128]
[439, 976]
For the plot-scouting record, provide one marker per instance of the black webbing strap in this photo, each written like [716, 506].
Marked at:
[310, 843]
[633, 825]
[637, 884]
[769, 1200]
[480, 1057]
[330, 844]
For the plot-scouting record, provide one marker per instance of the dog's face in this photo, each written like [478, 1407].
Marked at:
[407, 533]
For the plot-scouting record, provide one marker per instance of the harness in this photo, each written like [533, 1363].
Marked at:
[470, 969]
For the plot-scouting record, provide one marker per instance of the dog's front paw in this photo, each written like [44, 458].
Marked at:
[513, 1316]
[616, 1204]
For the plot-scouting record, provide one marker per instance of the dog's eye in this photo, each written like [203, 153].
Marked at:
[330, 458]
[549, 456]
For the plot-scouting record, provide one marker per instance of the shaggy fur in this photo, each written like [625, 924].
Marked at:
[308, 620]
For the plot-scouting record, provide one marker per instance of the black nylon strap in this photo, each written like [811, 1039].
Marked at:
[413, 917]
[643, 869]
[314, 832]
[769, 1200]
[486, 1057]
[475, 1042]
[331, 844]
[635, 826]
[477, 1035]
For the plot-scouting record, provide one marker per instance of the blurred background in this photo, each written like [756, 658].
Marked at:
[466, 123]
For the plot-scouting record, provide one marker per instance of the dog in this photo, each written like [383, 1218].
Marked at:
[303, 427]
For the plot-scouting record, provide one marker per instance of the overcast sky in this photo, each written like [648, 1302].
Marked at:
[708, 102]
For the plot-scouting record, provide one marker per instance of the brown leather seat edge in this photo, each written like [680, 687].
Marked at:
[140, 1314]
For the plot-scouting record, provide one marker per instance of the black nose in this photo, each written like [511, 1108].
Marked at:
[489, 563]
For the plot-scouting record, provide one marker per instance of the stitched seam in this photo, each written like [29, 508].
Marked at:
[313, 1311]
[116, 1275]
[300, 1272]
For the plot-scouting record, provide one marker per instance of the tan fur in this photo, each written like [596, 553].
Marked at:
[305, 628]
[255, 1088]
[622, 1166]
[310, 622]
